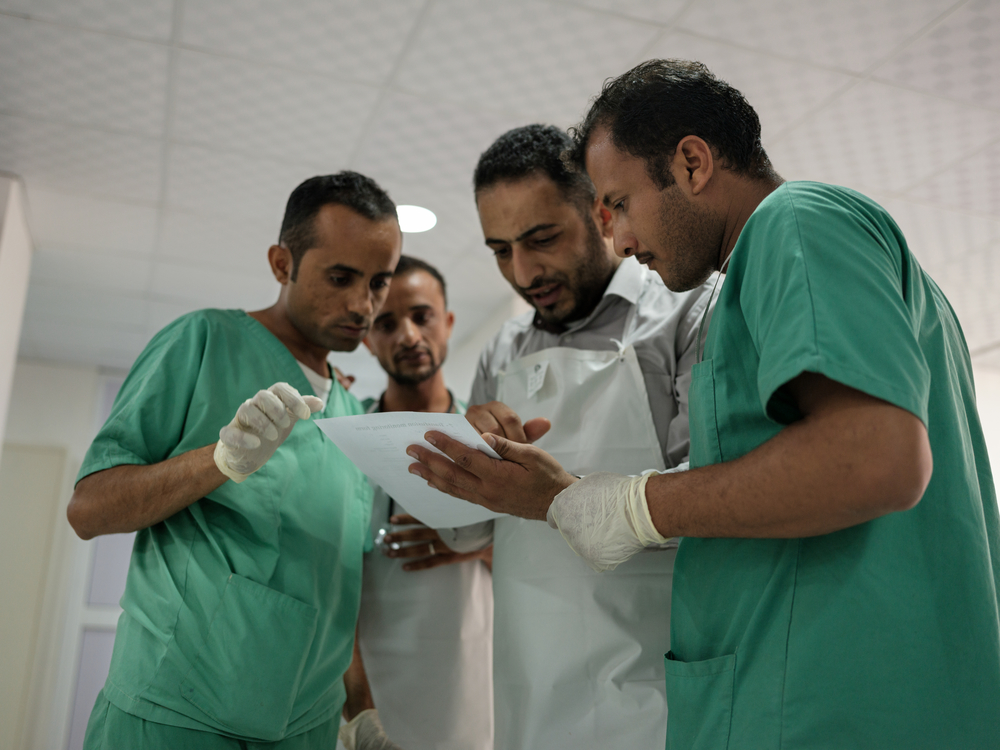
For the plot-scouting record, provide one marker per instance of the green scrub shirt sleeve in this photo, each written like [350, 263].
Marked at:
[825, 291]
[147, 419]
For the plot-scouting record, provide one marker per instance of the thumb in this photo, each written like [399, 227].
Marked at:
[507, 449]
[535, 428]
[315, 404]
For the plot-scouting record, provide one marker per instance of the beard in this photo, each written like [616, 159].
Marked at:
[695, 237]
[585, 283]
[415, 377]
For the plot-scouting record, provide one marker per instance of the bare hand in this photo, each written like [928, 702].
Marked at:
[425, 543]
[496, 418]
[524, 484]
[346, 381]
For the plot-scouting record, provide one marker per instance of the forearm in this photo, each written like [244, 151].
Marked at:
[472, 538]
[814, 477]
[359, 694]
[128, 498]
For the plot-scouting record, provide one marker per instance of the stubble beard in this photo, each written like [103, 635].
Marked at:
[416, 378]
[696, 238]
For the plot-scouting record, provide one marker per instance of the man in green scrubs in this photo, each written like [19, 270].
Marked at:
[837, 582]
[245, 579]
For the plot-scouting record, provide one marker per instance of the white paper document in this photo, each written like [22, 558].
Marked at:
[377, 444]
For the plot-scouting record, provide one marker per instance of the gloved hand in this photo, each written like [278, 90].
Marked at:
[365, 732]
[261, 424]
[605, 519]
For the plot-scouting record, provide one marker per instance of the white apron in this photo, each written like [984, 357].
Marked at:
[578, 655]
[426, 642]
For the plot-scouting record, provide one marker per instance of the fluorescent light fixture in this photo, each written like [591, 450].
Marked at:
[415, 218]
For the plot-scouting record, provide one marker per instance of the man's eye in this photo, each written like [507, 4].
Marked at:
[380, 283]
[546, 240]
[619, 206]
[340, 280]
[385, 326]
[503, 252]
[421, 318]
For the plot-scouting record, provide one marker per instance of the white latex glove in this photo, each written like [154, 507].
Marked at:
[261, 424]
[365, 732]
[605, 519]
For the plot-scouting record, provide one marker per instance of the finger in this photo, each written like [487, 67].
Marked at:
[413, 535]
[483, 421]
[292, 399]
[403, 519]
[509, 421]
[471, 459]
[417, 550]
[273, 408]
[254, 420]
[535, 428]
[314, 403]
[443, 474]
[436, 561]
[509, 450]
[234, 437]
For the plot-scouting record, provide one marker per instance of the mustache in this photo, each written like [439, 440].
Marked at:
[541, 282]
[355, 320]
[412, 350]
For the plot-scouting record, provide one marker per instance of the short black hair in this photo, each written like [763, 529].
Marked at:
[530, 150]
[408, 264]
[357, 192]
[649, 109]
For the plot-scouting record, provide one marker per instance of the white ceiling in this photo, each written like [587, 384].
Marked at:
[159, 139]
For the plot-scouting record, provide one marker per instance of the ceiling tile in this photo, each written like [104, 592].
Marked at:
[846, 34]
[420, 142]
[147, 18]
[74, 76]
[79, 160]
[162, 313]
[971, 185]
[62, 220]
[539, 61]
[659, 11]
[779, 90]
[347, 39]
[938, 236]
[81, 343]
[960, 59]
[215, 182]
[90, 269]
[211, 287]
[260, 109]
[218, 242]
[81, 304]
[878, 138]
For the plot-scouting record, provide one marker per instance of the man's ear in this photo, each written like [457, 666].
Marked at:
[450, 322]
[693, 164]
[603, 218]
[281, 262]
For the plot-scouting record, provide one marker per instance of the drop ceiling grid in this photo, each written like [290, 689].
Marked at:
[266, 94]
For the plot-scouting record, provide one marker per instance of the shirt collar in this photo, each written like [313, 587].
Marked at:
[626, 283]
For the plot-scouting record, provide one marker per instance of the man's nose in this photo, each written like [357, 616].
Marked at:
[409, 333]
[526, 267]
[625, 242]
[361, 301]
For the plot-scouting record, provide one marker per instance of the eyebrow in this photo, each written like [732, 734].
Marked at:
[344, 269]
[523, 235]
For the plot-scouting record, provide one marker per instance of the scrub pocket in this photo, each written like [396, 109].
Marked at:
[247, 674]
[700, 701]
[704, 423]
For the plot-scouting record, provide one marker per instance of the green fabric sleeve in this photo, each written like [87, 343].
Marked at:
[825, 291]
[147, 419]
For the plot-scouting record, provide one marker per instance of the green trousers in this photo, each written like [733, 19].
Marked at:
[110, 728]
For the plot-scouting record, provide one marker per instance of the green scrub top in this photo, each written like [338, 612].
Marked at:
[239, 611]
[882, 635]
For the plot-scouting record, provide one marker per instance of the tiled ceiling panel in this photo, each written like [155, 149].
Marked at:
[960, 59]
[263, 110]
[540, 61]
[159, 139]
[352, 40]
[72, 159]
[882, 139]
[149, 19]
[67, 75]
[846, 34]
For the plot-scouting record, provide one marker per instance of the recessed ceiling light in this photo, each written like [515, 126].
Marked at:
[415, 218]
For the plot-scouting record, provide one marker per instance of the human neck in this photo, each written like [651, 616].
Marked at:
[745, 197]
[431, 395]
[275, 320]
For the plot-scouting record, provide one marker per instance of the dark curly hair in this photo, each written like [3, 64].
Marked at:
[357, 192]
[649, 109]
[529, 150]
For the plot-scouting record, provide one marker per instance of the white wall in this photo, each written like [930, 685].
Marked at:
[15, 265]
